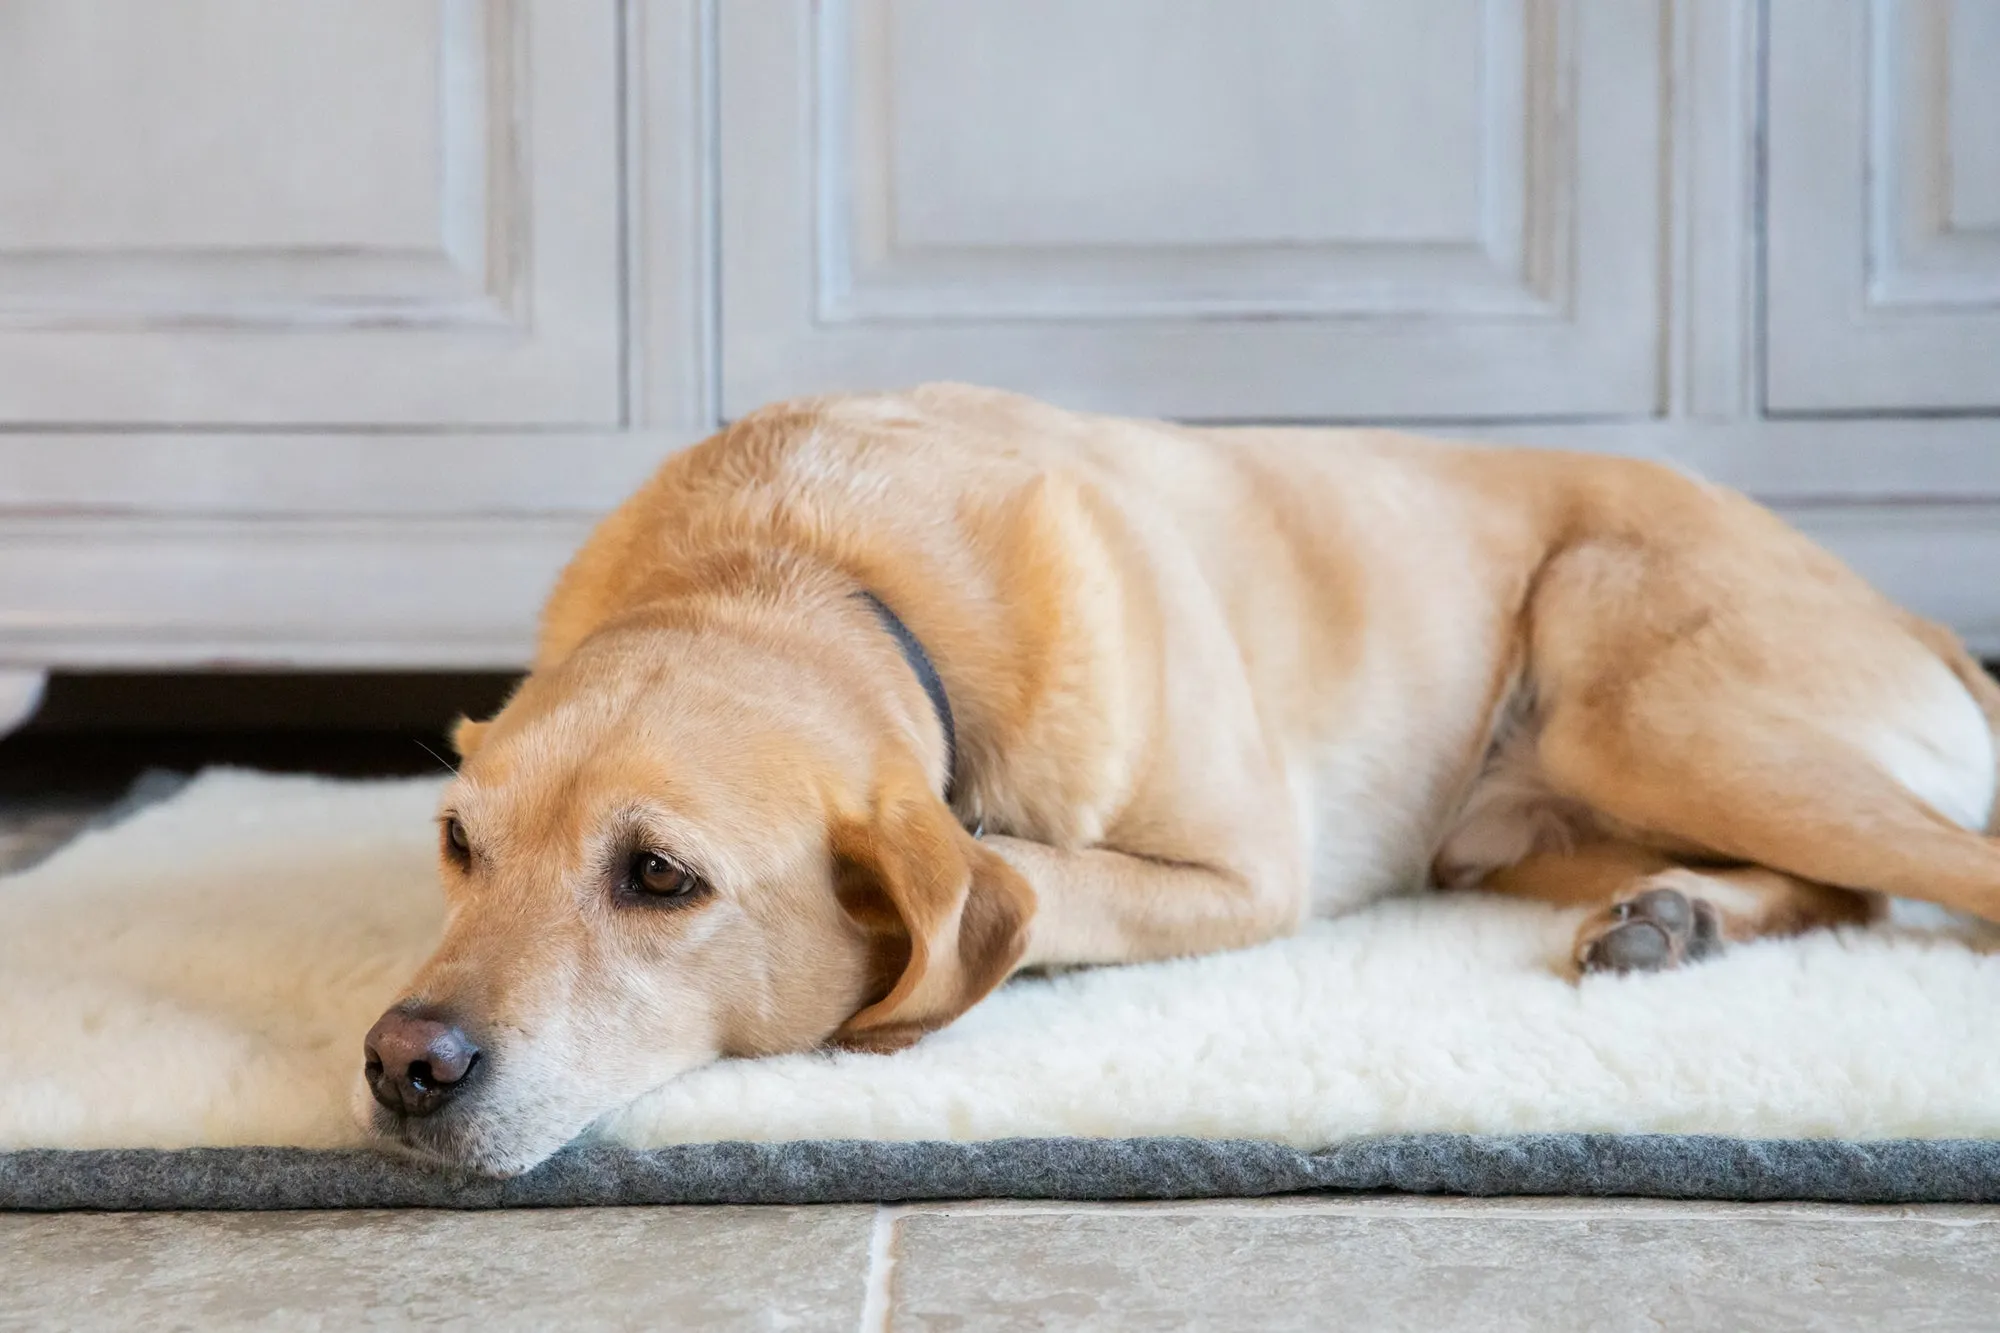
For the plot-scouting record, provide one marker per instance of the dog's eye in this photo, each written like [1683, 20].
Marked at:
[456, 844]
[658, 878]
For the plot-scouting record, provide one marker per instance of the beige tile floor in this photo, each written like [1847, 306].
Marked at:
[1364, 1263]
[1356, 1262]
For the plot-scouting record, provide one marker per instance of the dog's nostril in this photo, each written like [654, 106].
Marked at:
[427, 1076]
[413, 1065]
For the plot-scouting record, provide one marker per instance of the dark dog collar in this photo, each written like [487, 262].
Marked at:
[927, 676]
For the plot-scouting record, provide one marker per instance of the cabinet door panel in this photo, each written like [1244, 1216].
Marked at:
[289, 212]
[1883, 258]
[1196, 207]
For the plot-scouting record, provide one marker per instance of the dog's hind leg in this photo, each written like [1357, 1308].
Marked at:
[1783, 718]
[1985, 690]
[1653, 912]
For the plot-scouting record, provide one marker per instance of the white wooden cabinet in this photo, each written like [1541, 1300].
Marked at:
[327, 329]
[294, 213]
[1884, 247]
[1205, 209]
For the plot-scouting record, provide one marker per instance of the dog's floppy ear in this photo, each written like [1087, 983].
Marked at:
[466, 735]
[946, 918]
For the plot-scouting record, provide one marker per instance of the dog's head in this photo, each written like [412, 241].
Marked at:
[676, 846]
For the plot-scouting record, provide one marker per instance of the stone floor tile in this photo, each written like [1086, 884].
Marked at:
[1416, 1265]
[688, 1268]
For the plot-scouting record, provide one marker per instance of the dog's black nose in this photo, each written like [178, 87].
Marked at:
[415, 1064]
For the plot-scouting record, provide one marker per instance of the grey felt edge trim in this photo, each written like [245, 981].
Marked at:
[1666, 1166]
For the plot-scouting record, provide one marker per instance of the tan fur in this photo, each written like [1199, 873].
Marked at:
[1206, 682]
[1749, 902]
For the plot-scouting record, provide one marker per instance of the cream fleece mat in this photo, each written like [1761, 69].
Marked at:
[201, 974]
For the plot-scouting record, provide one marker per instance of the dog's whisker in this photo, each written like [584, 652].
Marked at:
[449, 767]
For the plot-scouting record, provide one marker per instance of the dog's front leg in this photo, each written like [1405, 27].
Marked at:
[1101, 905]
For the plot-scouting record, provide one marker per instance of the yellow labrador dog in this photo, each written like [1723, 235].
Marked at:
[868, 702]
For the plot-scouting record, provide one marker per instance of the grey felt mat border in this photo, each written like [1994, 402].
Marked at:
[1670, 1166]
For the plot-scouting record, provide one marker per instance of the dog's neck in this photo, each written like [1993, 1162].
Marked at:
[926, 673]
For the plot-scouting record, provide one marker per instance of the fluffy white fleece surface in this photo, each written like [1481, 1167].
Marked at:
[202, 974]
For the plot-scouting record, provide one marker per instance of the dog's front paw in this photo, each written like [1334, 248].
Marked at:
[1649, 932]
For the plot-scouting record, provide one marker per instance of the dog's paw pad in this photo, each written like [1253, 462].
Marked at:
[1649, 932]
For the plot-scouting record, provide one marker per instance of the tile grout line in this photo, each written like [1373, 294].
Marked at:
[1529, 1208]
[875, 1305]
